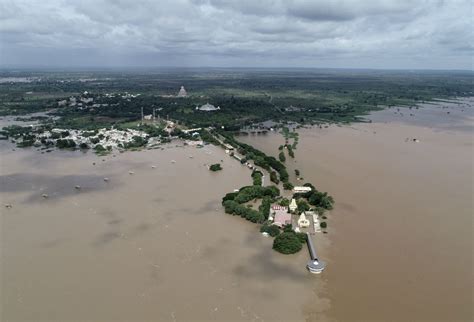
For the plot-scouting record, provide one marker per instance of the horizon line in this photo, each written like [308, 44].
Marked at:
[118, 67]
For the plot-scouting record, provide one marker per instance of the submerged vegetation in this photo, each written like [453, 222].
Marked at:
[215, 167]
[233, 202]
[287, 243]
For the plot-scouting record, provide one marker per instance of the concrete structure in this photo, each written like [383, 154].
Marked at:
[302, 221]
[293, 205]
[192, 130]
[182, 92]
[316, 223]
[314, 265]
[229, 147]
[280, 215]
[301, 189]
[207, 108]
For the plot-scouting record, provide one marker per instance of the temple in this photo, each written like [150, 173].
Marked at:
[302, 221]
[182, 92]
[293, 205]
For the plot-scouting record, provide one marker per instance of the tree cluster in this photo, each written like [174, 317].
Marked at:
[234, 208]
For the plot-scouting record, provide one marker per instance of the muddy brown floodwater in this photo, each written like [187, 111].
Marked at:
[156, 244]
[401, 235]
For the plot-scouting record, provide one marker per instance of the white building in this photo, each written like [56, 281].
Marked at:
[207, 108]
[303, 222]
[182, 92]
[301, 189]
[293, 205]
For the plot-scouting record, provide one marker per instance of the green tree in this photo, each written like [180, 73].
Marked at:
[281, 156]
[290, 151]
[287, 186]
[257, 178]
[272, 230]
[287, 243]
[274, 177]
[215, 167]
[302, 205]
[284, 202]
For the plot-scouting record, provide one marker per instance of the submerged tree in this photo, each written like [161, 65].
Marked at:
[287, 243]
[215, 167]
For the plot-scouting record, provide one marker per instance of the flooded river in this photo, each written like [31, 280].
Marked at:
[155, 244]
[152, 245]
[401, 235]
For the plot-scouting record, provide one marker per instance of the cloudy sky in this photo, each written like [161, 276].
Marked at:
[431, 34]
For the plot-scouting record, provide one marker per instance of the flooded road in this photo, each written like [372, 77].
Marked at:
[400, 238]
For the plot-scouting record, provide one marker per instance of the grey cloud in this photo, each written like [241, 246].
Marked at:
[339, 33]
